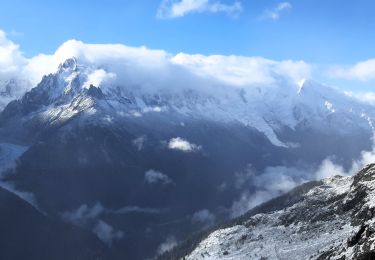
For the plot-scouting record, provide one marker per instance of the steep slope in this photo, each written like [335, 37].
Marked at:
[333, 219]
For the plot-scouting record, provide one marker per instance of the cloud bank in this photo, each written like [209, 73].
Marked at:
[157, 70]
[362, 71]
[142, 68]
[169, 9]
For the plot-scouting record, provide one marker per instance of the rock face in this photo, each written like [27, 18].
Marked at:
[331, 219]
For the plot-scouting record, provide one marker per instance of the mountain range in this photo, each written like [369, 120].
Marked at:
[137, 169]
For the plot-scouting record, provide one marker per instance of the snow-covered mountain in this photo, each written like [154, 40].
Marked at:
[329, 219]
[69, 92]
[147, 165]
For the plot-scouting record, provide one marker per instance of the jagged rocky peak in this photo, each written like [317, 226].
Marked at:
[95, 92]
[57, 91]
[331, 219]
[69, 64]
[63, 85]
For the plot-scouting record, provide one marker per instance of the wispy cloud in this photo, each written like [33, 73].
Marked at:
[268, 184]
[106, 232]
[362, 71]
[90, 217]
[167, 245]
[275, 13]
[204, 216]
[169, 9]
[139, 142]
[83, 214]
[155, 177]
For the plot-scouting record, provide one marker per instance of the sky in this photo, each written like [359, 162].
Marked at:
[335, 37]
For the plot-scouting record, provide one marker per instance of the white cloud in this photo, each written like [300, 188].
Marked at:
[125, 64]
[143, 68]
[175, 9]
[155, 109]
[183, 145]
[275, 13]
[97, 77]
[11, 58]
[328, 168]
[13, 83]
[362, 71]
[155, 177]
[106, 232]
[366, 97]
[241, 71]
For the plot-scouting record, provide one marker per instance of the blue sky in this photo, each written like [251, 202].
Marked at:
[324, 32]
[317, 31]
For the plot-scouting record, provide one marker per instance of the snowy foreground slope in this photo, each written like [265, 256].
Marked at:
[330, 219]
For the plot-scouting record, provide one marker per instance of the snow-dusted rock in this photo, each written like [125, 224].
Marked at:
[334, 220]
